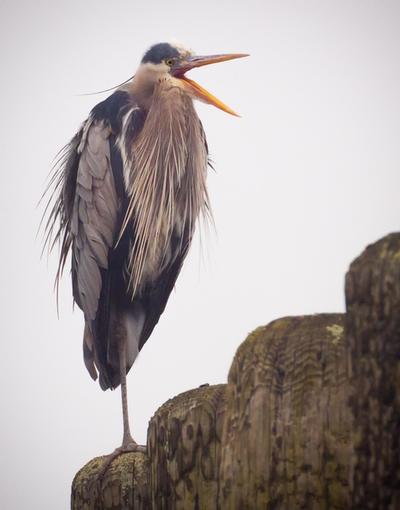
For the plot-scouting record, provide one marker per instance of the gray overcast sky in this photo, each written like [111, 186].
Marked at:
[304, 181]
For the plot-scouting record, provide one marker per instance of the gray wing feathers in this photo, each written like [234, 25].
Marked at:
[88, 353]
[94, 217]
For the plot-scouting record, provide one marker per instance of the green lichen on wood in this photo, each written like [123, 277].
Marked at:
[336, 331]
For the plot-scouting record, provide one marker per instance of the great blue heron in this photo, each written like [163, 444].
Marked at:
[126, 195]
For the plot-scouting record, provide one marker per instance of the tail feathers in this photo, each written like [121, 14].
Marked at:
[125, 328]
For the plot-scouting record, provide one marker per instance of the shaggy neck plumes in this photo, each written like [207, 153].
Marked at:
[165, 177]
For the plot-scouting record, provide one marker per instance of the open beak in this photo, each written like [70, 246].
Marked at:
[199, 92]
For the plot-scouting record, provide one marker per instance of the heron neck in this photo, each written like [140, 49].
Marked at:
[147, 87]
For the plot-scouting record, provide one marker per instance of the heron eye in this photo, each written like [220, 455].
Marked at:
[170, 62]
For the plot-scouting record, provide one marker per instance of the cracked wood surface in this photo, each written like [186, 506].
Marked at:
[124, 485]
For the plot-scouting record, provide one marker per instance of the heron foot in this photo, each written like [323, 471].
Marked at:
[130, 446]
[126, 447]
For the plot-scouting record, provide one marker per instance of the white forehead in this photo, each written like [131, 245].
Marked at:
[183, 50]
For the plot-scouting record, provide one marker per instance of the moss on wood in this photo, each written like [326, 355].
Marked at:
[125, 484]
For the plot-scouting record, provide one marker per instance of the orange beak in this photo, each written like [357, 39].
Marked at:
[199, 92]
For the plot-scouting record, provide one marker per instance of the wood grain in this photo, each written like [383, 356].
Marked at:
[287, 432]
[184, 442]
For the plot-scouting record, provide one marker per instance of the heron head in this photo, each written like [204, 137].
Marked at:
[173, 61]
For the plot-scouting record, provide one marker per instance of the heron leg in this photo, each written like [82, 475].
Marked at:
[128, 443]
[127, 439]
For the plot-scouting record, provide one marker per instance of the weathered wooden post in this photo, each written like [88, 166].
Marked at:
[184, 442]
[125, 484]
[286, 441]
[309, 419]
[373, 333]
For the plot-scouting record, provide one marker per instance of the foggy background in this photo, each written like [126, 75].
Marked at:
[304, 181]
